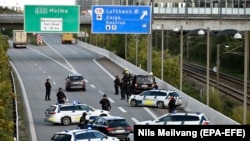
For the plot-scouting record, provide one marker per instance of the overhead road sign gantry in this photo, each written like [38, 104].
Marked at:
[116, 19]
[51, 18]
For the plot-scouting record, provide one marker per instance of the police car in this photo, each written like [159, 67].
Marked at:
[82, 135]
[156, 98]
[69, 113]
[182, 118]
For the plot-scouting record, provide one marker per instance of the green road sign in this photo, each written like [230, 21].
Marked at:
[51, 18]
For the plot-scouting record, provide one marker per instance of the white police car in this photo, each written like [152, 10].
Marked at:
[82, 135]
[155, 98]
[182, 118]
[69, 113]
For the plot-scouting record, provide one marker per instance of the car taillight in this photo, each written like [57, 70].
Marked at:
[110, 129]
[129, 128]
[206, 123]
[52, 112]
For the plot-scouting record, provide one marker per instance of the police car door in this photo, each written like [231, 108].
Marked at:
[149, 99]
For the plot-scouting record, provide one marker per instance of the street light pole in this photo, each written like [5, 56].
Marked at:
[217, 67]
[162, 50]
[181, 58]
[208, 64]
[246, 68]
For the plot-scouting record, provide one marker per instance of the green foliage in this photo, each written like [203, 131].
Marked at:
[6, 95]
[4, 43]
[237, 114]
[215, 101]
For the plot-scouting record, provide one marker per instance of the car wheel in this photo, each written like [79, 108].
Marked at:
[66, 121]
[160, 104]
[84, 89]
[133, 103]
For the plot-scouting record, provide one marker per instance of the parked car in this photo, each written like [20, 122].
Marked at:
[69, 113]
[182, 118]
[156, 98]
[142, 83]
[82, 135]
[112, 126]
[75, 81]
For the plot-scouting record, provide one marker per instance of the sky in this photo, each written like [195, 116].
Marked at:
[21, 3]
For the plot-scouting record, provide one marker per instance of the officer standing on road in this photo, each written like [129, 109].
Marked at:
[48, 89]
[117, 84]
[61, 97]
[122, 89]
[171, 104]
[105, 103]
[83, 121]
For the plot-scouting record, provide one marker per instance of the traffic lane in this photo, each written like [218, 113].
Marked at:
[79, 61]
[33, 79]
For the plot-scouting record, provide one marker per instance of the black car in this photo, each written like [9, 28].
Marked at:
[142, 83]
[112, 126]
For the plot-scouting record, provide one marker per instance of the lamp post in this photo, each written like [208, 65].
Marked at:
[162, 51]
[181, 58]
[218, 66]
[208, 63]
[181, 53]
[201, 32]
[246, 64]
[136, 49]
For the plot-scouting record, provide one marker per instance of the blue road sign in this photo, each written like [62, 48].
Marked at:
[118, 19]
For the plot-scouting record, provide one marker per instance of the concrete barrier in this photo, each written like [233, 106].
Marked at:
[189, 103]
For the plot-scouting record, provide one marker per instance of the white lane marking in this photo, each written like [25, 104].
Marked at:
[54, 82]
[39, 68]
[27, 105]
[134, 120]
[91, 85]
[71, 69]
[104, 69]
[35, 64]
[151, 113]
[44, 71]
[111, 100]
[101, 92]
[123, 110]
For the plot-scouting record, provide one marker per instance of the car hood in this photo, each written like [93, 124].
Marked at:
[99, 111]
[145, 122]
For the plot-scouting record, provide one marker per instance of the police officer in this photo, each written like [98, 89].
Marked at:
[48, 89]
[117, 84]
[61, 97]
[105, 103]
[83, 121]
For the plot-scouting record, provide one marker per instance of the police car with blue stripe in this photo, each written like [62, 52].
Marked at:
[181, 118]
[155, 98]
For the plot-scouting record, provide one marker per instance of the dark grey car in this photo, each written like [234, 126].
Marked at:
[75, 81]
